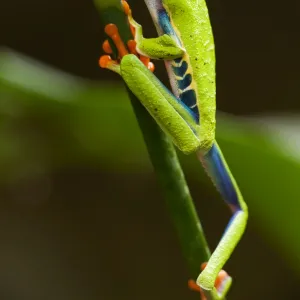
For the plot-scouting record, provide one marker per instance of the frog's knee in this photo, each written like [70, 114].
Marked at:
[205, 281]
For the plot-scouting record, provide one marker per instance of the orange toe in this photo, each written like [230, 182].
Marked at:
[203, 265]
[151, 66]
[112, 31]
[223, 275]
[193, 285]
[106, 47]
[104, 61]
[126, 7]
[131, 44]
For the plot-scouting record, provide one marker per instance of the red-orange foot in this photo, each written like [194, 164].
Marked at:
[222, 277]
[112, 31]
[127, 11]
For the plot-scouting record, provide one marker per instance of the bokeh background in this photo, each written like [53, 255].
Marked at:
[82, 215]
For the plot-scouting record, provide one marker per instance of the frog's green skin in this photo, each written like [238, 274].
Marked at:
[187, 114]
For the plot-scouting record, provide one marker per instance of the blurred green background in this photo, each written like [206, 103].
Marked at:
[81, 213]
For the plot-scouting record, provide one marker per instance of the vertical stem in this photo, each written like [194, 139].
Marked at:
[176, 192]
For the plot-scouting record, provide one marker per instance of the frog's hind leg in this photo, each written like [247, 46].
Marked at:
[217, 168]
[222, 282]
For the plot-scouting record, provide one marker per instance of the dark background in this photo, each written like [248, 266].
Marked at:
[92, 233]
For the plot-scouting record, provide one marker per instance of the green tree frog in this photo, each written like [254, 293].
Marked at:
[187, 113]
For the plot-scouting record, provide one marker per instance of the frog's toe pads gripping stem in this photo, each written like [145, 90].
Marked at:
[222, 284]
[106, 61]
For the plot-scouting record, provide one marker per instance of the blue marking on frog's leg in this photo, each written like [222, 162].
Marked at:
[166, 26]
[177, 60]
[184, 85]
[217, 168]
[220, 174]
[181, 69]
[189, 98]
[187, 102]
[185, 82]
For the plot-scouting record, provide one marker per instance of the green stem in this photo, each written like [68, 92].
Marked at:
[177, 195]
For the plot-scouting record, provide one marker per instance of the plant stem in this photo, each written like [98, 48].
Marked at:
[176, 192]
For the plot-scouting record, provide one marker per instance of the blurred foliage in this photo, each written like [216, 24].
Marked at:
[95, 124]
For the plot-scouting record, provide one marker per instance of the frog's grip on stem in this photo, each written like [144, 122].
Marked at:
[144, 59]
[112, 31]
[221, 280]
[107, 62]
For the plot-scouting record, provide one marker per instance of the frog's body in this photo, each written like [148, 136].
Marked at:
[187, 115]
[192, 76]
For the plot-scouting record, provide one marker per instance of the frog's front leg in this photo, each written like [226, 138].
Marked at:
[163, 106]
[173, 116]
[164, 47]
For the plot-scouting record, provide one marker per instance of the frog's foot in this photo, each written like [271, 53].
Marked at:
[222, 284]
[133, 24]
[195, 287]
[107, 62]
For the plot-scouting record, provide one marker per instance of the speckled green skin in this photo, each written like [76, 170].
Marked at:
[157, 99]
[192, 34]
[157, 48]
[191, 22]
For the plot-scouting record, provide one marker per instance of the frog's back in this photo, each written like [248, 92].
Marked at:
[193, 76]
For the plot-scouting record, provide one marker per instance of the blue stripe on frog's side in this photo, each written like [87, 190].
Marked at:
[216, 168]
[180, 67]
[185, 81]
[189, 99]
[165, 24]
[180, 71]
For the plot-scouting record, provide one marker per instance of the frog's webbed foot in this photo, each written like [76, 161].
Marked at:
[162, 47]
[107, 62]
[222, 284]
